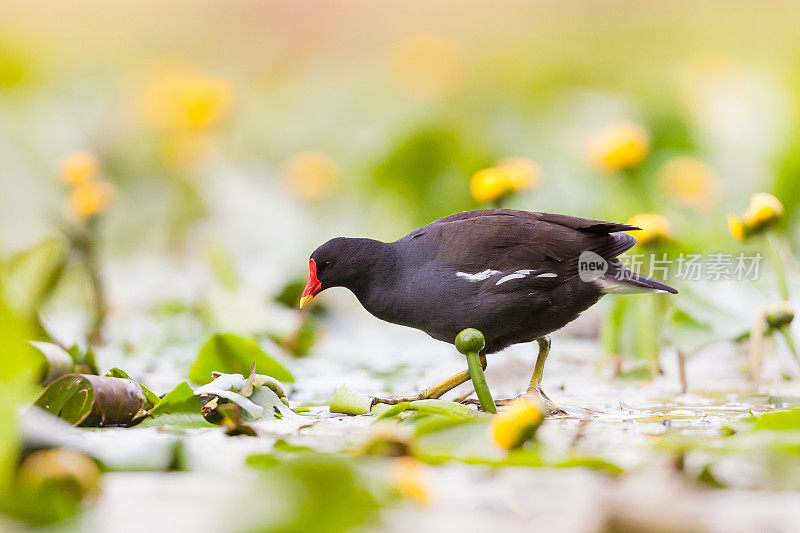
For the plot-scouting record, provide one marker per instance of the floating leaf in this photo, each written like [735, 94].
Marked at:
[88, 400]
[445, 408]
[392, 411]
[264, 399]
[327, 493]
[778, 421]
[151, 397]
[350, 402]
[229, 353]
[178, 409]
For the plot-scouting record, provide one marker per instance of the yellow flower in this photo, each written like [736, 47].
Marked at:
[79, 167]
[428, 65]
[618, 146]
[736, 227]
[523, 174]
[690, 180]
[515, 174]
[764, 209]
[513, 427]
[490, 184]
[91, 198]
[655, 228]
[408, 476]
[311, 175]
[182, 101]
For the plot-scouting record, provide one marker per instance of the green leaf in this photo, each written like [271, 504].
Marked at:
[445, 408]
[326, 492]
[30, 276]
[779, 420]
[591, 462]
[89, 400]
[263, 401]
[707, 477]
[151, 397]
[393, 410]
[350, 402]
[178, 409]
[232, 354]
[17, 375]
[56, 361]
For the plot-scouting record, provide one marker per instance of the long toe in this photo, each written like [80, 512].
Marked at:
[551, 409]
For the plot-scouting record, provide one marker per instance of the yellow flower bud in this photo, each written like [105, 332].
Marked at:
[79, 167]
[408, 476]
[764, 209]
[516, 425]
[523, 174]
[90, 199]
[618, 146]
[490, 184]
[780, 315]
[736, 227]
[311, 175]
[690, 181]
[655, 228]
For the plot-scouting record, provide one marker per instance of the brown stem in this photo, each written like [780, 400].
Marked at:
[85, 244]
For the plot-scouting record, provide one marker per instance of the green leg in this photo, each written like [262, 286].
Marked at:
[535, 386]
[434, 391]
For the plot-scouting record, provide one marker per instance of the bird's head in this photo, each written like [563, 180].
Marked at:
[340, 262]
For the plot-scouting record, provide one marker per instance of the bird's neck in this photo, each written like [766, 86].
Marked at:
[378, 271]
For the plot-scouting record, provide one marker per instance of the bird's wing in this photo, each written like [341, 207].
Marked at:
[508, 241]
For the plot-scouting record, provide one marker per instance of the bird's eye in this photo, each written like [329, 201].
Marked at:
[328, 264]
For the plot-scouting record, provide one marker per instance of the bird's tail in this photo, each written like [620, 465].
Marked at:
[620, 280]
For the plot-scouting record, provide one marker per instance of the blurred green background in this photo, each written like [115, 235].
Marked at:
[402, 102]
[166, 169]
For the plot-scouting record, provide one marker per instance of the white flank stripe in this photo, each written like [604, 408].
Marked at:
[480, 276]
[509, 277]
[547, 275]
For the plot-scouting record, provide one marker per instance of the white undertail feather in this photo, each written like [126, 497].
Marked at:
[616, 286]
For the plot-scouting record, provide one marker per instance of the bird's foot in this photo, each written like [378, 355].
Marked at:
[551, 408]
[538, 395]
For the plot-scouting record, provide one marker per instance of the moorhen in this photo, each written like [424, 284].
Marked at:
[514, 275]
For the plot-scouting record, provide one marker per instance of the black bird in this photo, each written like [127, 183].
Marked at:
[514, 275]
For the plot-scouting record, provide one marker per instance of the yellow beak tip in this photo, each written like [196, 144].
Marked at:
[304, 301]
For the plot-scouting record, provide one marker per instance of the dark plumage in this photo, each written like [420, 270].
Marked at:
[511, 274]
